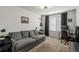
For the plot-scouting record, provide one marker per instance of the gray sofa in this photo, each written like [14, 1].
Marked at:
[34, 34]
[25, 40]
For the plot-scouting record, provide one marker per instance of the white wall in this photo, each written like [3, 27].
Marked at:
[10, 19]
[71, 15]
[43, 22]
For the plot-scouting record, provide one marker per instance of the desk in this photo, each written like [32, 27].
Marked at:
[5, 44]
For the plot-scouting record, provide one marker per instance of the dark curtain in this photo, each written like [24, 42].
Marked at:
[63, 19]
[47, 25]
[64, 25]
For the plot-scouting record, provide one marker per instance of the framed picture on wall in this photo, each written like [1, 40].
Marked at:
[24, 19]
[70, 20]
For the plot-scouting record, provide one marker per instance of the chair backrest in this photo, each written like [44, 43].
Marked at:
[65, 31]
[64, 27]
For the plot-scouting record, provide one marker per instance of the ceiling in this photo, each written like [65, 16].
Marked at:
[36, 9]
[53, 9]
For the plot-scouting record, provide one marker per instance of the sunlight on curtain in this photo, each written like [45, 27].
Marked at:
[52, 24]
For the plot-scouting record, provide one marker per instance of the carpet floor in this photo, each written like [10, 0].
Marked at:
[51, 45]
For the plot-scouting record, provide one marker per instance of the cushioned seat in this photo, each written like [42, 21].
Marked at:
[35, 35]
[38, 37]
[24, 42]
[41, 35]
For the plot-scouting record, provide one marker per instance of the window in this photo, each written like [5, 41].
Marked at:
[52, 23]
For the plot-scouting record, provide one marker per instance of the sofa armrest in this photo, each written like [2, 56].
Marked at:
[13, 44]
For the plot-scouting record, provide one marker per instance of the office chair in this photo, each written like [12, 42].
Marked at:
[65, 33]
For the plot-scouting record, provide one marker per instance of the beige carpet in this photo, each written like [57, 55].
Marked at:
[51, 45]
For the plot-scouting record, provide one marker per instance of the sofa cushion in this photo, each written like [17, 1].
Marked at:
[36, 32]
[16, 35]
[25, 34]
[38, 37]
[32, 34]
[23, 43]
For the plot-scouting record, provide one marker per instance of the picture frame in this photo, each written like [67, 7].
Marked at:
[24, 19]
[70, 20]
